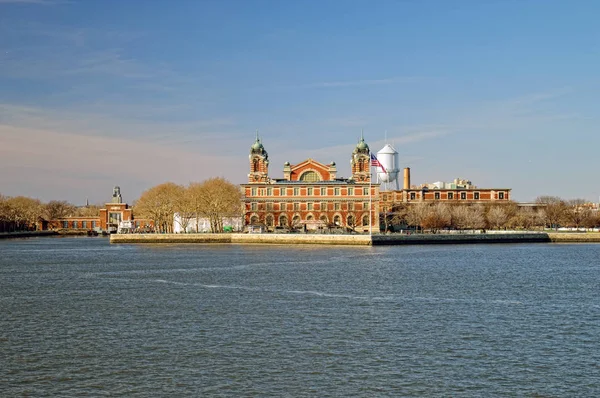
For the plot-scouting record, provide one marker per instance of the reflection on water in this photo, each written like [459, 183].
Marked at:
[80, 316]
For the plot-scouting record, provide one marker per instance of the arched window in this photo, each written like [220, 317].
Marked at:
[309, 217]
[337, 220]
[296, 221]
[310, 176]
[361, 165]
[350, 221]
[324, 218]
[283, 221]
[253, 220]
[255, 165]
[269, 220]
[365, 221]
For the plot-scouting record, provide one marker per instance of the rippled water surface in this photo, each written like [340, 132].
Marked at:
[81, 317]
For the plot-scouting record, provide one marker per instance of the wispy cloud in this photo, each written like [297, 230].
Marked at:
[40, 2]
[351, 83]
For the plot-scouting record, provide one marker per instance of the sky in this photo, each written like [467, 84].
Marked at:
[99, 93]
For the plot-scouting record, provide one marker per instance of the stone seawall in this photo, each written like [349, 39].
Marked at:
[359, 240]
[26, 234]
[574, 237]
[276, 239]
[435, 239]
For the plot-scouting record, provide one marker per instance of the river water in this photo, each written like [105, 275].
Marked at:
[79, 316]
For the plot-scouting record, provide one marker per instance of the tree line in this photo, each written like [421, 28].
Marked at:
[22, 213]
[548, 212]
[213, 199]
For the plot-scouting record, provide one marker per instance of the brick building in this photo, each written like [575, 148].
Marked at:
[310, 196]
[458, 192]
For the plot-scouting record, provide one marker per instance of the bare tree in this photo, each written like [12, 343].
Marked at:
[554, 210]
[416, 214]
[496, 217]
[56, 209]
[436, 217]
[576, 212]
[221, 199]
[158, 204]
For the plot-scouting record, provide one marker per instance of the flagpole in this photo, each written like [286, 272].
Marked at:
[370, 198]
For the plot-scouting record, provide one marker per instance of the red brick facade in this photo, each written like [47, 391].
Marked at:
[310, 196]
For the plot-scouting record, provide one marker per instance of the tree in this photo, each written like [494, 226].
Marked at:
[87, 211]
[436, 217]
[496, 217]
[56, 209]
[577, 213]
[554, 210]
[220, 199]
[185, 207]
[416, 214]
[158, 204]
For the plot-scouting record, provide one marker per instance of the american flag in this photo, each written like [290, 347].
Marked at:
[376, 163]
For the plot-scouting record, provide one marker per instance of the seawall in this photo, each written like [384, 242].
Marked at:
[26, 234]
[276, 239]
[359, 240]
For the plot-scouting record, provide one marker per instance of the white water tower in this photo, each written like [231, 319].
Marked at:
[388, 157]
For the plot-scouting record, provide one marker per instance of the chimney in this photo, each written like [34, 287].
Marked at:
[407, 178]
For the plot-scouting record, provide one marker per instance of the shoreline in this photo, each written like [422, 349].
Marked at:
[357, 240]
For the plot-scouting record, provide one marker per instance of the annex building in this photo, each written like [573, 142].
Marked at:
[310, 196]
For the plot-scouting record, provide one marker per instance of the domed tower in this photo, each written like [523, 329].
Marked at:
[259, 162]
[361, 157]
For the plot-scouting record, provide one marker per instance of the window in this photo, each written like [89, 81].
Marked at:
[463, 195]
[436, 196]
[282, 206]
[281, 191]
[253, 206]
[323, 206]
[500, 195]
[296, 191]
[269, 191]
[309, 191]
[337, 220]
[253, 192]
[261, 192]
[94, 224]
[269, 221]
[365, 221]
[384, 197]
[350, 191]
[283, 221]
[296, 206]
[336, 192]
[365, 191]
[84, 224]
[450, 195]
[336, 206]
[350, 206]
[65, 224]
[366, 206]
[310, 176]
[476, 195]
[412, 196]
[270, 206]
[74, 224]
[323, 191]
[309, 206]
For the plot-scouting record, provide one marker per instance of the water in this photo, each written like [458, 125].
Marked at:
[81, 317]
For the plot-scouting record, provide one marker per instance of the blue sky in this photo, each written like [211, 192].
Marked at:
[100, 93]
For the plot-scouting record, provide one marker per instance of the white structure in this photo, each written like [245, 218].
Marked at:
[232, 224]
[388, 157]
